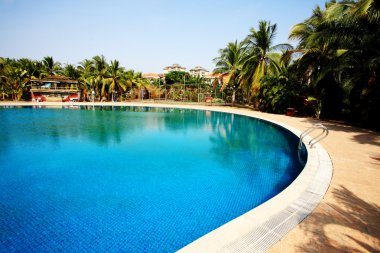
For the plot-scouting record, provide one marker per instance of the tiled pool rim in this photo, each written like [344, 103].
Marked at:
[258, 229]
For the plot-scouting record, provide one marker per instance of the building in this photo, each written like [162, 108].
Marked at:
[213, 77]
[196, 71]
[199, 71]
[54, 89]
[153, 76]
[174, 67]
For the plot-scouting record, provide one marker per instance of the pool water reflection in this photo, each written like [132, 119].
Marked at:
[132, 179]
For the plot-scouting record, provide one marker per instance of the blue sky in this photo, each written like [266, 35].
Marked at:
[144, 35]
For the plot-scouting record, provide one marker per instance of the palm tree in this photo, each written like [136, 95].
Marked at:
[367, 9]
[340, 52]
[135, 80]
[71, 72]
[360, 25]
[15, 76]
[229, 63]
[86, 69]
[50, 67]
[321, 59]
[17, 79]
[260, 55]
[99, 77]
[33, 68]
[116, 80]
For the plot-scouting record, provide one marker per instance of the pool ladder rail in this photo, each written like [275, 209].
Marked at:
[314, 140]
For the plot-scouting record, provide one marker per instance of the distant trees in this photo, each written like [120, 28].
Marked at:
[93, 74]
[96, 74]
[181, 85]
[175, 77]
[106, 79]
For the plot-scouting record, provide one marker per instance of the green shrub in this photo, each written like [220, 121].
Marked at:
[218, 101]
[277, 93]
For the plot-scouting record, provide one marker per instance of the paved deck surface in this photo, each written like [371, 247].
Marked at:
[348, 219]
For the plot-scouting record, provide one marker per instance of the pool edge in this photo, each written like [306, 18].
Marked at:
[262, 227]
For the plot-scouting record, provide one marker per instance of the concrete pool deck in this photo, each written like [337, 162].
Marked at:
[348, 218]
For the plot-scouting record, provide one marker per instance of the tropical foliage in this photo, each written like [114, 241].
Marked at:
[229, 63]
[333, 72]
[108, 80]
[262, 57]
[176, 77]
[279, 92]
[94, 74]
[341, 59]
[15, 75]
[244, 64]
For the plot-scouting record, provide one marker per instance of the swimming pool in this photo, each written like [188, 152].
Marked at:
[136, 179]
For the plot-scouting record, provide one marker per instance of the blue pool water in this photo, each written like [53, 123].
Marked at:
[132, 179]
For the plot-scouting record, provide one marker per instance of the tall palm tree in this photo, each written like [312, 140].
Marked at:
[86, 69]
[260, 55]
[229, 63]
[100, 75]
[116, 79]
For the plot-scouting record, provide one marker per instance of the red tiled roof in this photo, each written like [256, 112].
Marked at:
[152, 75]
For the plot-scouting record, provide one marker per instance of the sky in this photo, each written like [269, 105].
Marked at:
[144, 35]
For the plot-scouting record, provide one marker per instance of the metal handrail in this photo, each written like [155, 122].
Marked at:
[315, 139]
